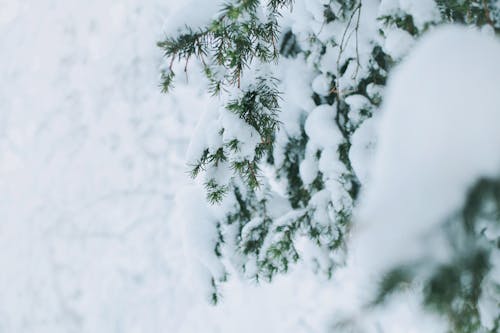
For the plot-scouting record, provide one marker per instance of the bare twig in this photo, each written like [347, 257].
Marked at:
[344, 42]
[172, 62]
[358, 65]
[185, 69]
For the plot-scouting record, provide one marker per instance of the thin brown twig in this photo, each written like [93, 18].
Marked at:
[185, 69]
[343, 92]
[342, 45]
[172, 62]
[358, 64]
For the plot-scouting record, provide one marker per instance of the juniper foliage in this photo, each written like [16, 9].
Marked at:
[242, 41]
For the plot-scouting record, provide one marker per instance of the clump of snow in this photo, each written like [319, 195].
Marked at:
[320, 202]
[438, 135]
[324, 140]
[236, 128]
[363, 145]
[308, 169]
[321, 85]
[316, 9]
[320, 127]
[397, 42]
[295, 77]
[422, 11]
[357, 104]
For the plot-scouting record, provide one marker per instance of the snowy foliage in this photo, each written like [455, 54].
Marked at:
[288, 148]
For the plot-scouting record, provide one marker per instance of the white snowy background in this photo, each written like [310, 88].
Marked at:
[91, 154]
